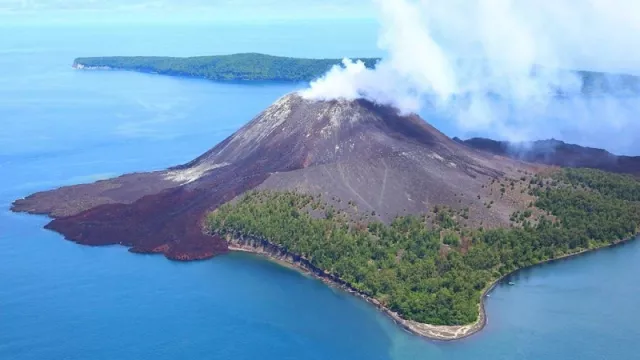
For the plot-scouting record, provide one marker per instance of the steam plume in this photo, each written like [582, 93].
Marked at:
[500, 64]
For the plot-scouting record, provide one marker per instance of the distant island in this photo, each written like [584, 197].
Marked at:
[250, 67]
[380, 204]
[556, 152]
[236, 67]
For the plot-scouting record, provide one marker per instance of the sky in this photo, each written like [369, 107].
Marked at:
[71, 12]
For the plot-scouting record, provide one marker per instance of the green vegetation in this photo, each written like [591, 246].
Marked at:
[435, 272]
[237, 67]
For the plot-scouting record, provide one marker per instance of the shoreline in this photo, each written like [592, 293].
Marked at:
[272, 252]
[83, 67]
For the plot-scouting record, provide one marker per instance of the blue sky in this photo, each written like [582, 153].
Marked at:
[176, 11]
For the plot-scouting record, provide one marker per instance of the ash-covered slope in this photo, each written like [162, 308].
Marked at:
[556, 152]
[352, 152]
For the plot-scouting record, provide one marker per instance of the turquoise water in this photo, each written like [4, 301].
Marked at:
[59, 300]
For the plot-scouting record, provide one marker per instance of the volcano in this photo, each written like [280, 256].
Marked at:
[381, 163]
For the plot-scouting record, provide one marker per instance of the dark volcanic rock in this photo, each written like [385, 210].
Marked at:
[382, 163]
[70, 200]
[555, 152]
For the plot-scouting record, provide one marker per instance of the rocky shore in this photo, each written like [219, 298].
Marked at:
[263, 247]
[79, 66]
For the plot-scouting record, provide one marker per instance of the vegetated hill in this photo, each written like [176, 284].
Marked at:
[555, 152]
[433, 268]
[364, 158]
[236, 67]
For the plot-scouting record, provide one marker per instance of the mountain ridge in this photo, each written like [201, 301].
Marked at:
[560, 153]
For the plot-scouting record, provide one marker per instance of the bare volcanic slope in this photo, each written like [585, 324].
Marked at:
[381, 163]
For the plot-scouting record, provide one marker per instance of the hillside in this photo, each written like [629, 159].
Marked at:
[236, 67]
[433, 268]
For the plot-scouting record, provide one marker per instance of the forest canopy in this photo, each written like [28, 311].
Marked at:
[436, 271]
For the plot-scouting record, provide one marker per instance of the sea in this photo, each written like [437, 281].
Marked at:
[60, 300]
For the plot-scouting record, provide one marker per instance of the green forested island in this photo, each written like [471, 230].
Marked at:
[261, 67]
[236, 67]
[430, 268]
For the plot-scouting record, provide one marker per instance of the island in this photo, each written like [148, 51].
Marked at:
[556, 152]
[235, 67]
[378, 203]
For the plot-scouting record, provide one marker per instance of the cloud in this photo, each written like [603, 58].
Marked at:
[497, 65]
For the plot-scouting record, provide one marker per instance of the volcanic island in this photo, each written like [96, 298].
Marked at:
[375, 202]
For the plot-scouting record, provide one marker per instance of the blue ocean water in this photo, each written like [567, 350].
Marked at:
[59, 300]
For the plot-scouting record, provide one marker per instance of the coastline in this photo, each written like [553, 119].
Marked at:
[260, 246]
[273, 252]
[82, 67]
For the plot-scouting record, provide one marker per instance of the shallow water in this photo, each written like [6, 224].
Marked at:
[59, 300]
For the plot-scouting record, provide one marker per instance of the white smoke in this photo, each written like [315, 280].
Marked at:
[496, 64]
